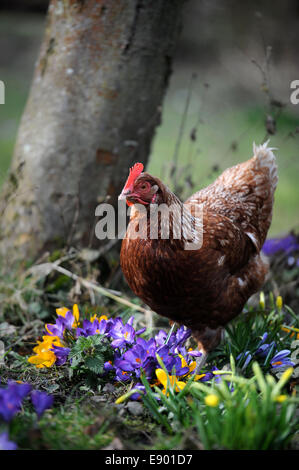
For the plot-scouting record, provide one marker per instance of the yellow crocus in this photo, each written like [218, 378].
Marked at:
[200, 376]
[262, 300]
[163, 379]
[62, 311]
[44, 357]
[279, 302]
[102, 317]
[212, 400]
[185, 364]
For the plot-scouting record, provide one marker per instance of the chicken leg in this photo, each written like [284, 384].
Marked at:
[207, 339]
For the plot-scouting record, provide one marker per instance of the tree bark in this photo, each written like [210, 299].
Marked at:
[92, 110]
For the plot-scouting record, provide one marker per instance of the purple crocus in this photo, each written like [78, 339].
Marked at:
[181, 335]
[136, 396]
[217, 377]
[11, 399]
[137, 358]
[286, 244]
[108, 366]
[18, 388]
[194, 353]
[61, 324]
[89, 328]
[10, 404]
[61, 354]
[133, 359]
[172, 361]
[264, 337]
[160, 338]
[105, 326]
[122, 334]
[5, 443]
[41, 401]
[121, 375]
[208, 376]
[264, 349]
[248, 357]
[149, 346]
[281, 359]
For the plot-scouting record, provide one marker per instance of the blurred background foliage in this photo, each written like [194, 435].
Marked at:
[230, 86]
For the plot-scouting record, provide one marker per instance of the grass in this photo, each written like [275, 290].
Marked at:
[252, 407]
[257, 413]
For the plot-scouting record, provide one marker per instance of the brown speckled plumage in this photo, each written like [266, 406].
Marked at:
[206, 288]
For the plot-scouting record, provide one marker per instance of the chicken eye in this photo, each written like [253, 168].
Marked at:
[144, 186]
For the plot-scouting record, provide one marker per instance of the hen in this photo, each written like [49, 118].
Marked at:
[207, 286]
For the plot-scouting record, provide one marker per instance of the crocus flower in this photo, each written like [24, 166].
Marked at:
[181, 335]
[212, 400]
[11, 399]
[137, 396]
[102, 317]
[122, 334]
[194, 353]
[121, 375]
[61, 324]
[5, 443]
[61, 354]
[281, 359]
[63, 311]
[286, 244]
[164, 379]
[160, 338]
[264, 349]
[41, 401]
[135, 359]
[89, 328]
[149, 346]
[19, 388]
[139, 332]
[205, 377]
[10, 404]
[45, 357]
[108, 366]
[191, 366]
[248, 357]
[171, 361]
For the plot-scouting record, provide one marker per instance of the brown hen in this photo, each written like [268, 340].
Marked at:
[207, 285]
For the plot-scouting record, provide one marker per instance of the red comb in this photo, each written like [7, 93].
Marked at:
[134, 172]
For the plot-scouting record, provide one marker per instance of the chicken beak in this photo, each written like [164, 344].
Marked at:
[123, 195]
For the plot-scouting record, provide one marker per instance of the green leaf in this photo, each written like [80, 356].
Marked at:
[94, 364]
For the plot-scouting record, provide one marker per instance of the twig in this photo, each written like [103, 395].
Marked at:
[101, 290]
[182, 128]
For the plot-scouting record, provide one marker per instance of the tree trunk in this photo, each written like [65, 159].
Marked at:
[92, 111]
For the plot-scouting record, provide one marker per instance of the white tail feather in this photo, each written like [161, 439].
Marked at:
[266, 158]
